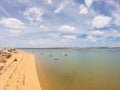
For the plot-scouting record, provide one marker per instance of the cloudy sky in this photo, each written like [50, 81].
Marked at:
[59, 23]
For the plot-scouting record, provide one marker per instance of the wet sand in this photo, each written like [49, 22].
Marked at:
[19, 73]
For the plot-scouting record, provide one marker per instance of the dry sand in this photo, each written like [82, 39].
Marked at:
[19, 73]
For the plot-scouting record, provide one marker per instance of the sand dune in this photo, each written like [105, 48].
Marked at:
[19, 73]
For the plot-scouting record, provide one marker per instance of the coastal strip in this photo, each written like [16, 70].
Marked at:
[19, 72]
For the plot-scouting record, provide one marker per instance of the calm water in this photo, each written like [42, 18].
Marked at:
[93, 69]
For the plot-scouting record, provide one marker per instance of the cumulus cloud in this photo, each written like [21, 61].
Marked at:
[91, 39]
[68, 28]
[115, 12]
[69, 37]
[61, 7]
[12, 23]
[83, 9]
[33, 14]
[97, 32]
[101, 21]
[88, 3]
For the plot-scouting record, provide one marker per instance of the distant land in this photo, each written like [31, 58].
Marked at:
[77, 48]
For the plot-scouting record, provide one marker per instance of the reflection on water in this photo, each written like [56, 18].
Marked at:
[79, 69]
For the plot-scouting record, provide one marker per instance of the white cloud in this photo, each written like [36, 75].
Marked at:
[14, 31]
[112, 33]
[49, 2]
[83, 9]
[43, 27]
[61, 7]
[42, 42]
[68, 28]
[91, 39]
[88, 3]
[101, 21]
[115, 33]
[69, 37]
[33, 14]
[97, 32]
[12, 23]
[115, 12]
[116, 16]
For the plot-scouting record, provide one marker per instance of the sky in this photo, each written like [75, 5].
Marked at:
[59, 23]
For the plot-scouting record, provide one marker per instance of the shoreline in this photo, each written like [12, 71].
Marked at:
[20, 73]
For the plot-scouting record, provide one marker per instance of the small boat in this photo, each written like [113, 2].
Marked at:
[55, 58]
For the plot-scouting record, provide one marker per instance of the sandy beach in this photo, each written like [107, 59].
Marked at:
[19, 73]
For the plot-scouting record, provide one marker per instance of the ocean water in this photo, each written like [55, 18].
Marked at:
[86, 69]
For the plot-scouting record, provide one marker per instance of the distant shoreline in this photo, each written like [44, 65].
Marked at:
[75, 48]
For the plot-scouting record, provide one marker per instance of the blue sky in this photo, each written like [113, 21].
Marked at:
[59, 23]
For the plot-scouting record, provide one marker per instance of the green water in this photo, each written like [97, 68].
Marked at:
[88, 69]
